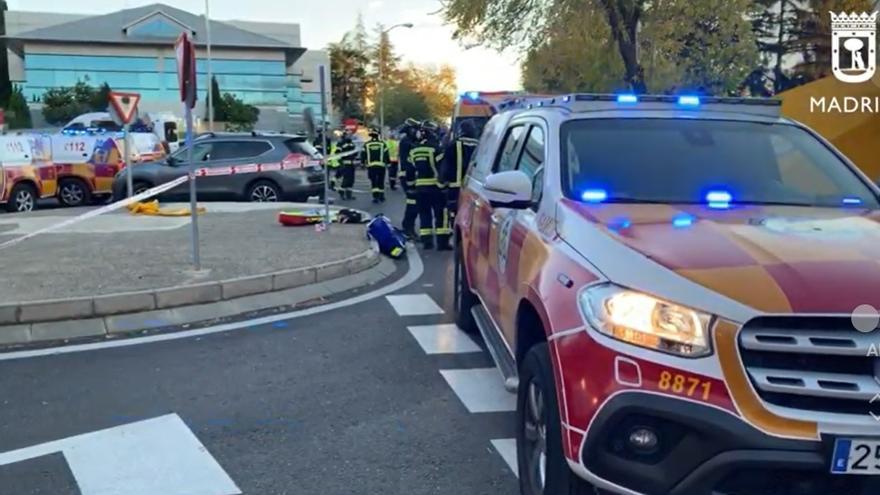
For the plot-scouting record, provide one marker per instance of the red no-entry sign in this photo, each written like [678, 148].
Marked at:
[186, 69]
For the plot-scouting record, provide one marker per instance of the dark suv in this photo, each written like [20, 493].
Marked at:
[237, 166]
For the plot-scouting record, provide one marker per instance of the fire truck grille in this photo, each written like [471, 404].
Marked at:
[813, 363]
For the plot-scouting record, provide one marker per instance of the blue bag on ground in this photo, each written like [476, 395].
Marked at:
[390, 239]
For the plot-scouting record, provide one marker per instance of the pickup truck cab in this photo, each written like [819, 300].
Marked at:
[668, 283]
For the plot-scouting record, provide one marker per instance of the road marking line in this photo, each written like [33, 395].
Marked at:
[506, 447]
[443, 339]
[159, 455]
[414, 304]
[480, 389]
[416, 268]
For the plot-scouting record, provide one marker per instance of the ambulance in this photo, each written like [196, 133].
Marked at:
[681, 291]
[26, 172]
[85, 166]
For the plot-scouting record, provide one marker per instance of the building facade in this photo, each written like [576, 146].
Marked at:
[132, 50]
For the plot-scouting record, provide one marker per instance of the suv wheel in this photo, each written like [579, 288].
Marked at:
[23, 198]
[263, 191]
[464, 299]
[543, 469]
[73, 192]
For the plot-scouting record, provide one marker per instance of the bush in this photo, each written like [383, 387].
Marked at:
[18, 115]
[60, 105]
[239, 115]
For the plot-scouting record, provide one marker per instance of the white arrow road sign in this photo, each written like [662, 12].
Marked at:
[151, 457]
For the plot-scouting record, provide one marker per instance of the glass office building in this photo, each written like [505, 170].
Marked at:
[132, 50]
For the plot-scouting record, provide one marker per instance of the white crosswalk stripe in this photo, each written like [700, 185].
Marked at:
[414, 305]
[506, 447]
[443, 339]
[480, 389]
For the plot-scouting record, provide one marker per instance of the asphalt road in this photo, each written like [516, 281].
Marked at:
[348, 401]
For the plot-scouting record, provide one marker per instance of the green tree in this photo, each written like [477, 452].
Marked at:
[714, 52]
[402, 102]
[60, 105]
[18, 115]
[100, 99]
[239, 115]
[220, 113]
[348, 78]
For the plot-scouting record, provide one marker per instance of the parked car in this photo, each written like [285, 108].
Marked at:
[668, 284]
[236, 166]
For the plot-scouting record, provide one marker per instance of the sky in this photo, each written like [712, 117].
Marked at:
[324, 21]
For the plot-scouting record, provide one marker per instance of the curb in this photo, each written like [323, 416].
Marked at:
[36, 321]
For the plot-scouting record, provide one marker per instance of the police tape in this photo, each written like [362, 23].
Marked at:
[149, 193]
[252, 168]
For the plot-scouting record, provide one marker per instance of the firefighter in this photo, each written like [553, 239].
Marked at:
[426, 157]
[456, 158]
[375, 156]
[346, 165]
[393, 165]
[333, 165]
[408, 177]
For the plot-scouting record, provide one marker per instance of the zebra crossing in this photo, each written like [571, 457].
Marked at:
[480, 390]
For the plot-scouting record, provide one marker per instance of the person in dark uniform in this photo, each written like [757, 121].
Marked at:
[408, 177]
[426, 157]
[346, 165]
[375, 156]
[456, 158]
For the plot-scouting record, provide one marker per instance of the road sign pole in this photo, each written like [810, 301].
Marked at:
[128, 179]
[323, 84]
[193, 208]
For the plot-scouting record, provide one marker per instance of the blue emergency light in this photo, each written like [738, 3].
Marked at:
[473, 95]
[682, 221]
[689, 101]
[594, 195]
[719, 199]
[627, 99]
[852, 201]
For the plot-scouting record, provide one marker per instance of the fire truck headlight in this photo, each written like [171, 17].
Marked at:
[645, 321]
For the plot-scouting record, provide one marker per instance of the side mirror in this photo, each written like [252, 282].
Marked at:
[171, 161]
[511, 189]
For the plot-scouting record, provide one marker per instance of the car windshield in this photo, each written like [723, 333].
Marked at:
[683, 160]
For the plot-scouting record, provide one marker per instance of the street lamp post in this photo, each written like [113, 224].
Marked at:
[407, 25]
[209, 85]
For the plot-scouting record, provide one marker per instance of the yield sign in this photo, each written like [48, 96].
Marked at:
[124, 105]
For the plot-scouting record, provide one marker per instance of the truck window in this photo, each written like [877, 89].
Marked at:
[532, 156]
[678, 161]
[510, 149]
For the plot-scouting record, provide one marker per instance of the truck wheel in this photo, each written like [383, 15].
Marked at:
[74, 192]
[464, 299]
[543, 469]
[22, 198]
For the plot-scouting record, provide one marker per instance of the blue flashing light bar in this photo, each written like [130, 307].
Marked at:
[852, 201]
[474, 95]
[682, 221]
[594, 195]
[719, 199]
[566, 98]
[627, 98]
[689, 101]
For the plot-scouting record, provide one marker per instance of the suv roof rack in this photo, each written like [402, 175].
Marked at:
[582, 102]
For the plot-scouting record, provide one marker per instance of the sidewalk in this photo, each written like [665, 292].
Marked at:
[119, 252]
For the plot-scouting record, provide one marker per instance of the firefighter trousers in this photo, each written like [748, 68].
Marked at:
[346, 173]
[410, 213]
[334, 176]
[392, 175]
[433, 217]
[376, 173]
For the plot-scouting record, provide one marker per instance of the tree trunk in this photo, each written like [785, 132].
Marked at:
[780, 49]
[624, 29]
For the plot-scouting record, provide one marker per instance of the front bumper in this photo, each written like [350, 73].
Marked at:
[704, 450]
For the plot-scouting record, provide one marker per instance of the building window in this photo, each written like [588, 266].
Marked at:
[156, 25]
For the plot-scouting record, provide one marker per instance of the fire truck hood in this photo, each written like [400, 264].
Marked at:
[769, 259]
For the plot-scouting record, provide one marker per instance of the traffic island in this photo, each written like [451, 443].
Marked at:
[120, 273]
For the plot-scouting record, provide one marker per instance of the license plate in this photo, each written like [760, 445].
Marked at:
[856, 456]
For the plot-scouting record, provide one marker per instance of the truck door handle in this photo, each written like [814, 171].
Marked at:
[495, 219]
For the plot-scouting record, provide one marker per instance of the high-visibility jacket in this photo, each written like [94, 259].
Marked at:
[333, 162]
[424, 160]
[375, 153]
[456, 159]
[393, 150]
